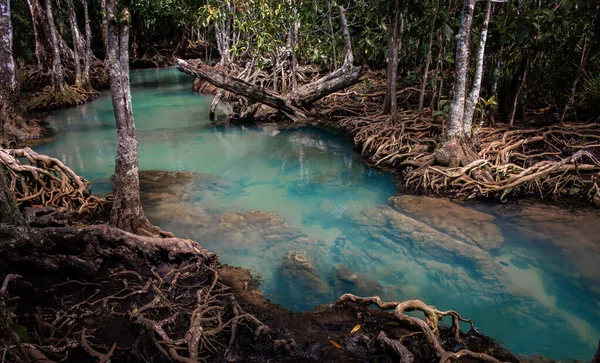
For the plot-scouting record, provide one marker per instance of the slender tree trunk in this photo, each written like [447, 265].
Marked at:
[127, 212]
[390, 102]
[294, 27]
[454, 126]
[580, 72]
[476, 88]
[596, 358]
[436, 72]
[58, 75]
[332, 35]
[522, 81]
[428, 59]
[76, 42]
[87, 61]
[104, 28]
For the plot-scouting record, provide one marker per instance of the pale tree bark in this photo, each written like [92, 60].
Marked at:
[580, 72]
[223, 32]
[428, 59]
[436, 72]
[454, 125]
[127, 212]
[87, 61]
[457, 148]
[10, 107]
[390, 101]
[58, 75]
[76, 42]
[293, 42]
[476, 88]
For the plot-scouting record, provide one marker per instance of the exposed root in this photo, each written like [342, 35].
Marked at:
[47, 181]
[429, 327]
[49, 98]
[552, 162]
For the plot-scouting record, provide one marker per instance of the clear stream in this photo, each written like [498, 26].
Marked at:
[533, 284]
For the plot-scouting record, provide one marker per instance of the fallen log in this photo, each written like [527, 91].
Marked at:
[296, 104]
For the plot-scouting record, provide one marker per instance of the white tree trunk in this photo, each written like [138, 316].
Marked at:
[76, 42]
[454, 126]
[87, 62]
[127, 212]
[476, 88]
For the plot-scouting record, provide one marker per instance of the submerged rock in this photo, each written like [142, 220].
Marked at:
[407, 230]
[575, 232]
[302, 278]
[468, 225]
[358, 283]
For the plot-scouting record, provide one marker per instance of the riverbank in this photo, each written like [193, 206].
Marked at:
[536, 157]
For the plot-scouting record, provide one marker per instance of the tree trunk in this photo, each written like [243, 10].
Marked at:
[41, 32]
[87, 61]
[457, 148]
[436, 72]
[596, 358]
[127, 212]
[476, 88]
[58, 75]
[9, 213]
[76, 42]
[454, 126]
[332, 34]
[10, 107]
[580, 72]
[104, 28]
[522, 81]
[389, 102]
[428, 59]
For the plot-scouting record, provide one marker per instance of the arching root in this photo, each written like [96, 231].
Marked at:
[47, 181]
[429, 327]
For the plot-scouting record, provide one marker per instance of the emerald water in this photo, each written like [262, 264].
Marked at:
[302, 211]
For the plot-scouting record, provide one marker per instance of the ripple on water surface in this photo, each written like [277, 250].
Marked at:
[302, 210]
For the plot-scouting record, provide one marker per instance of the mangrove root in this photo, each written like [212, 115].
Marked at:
[47, 182]
[429, 327]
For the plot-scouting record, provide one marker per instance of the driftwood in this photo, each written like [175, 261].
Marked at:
[295, 105]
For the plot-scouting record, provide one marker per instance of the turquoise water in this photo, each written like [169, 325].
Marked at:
[535, 289]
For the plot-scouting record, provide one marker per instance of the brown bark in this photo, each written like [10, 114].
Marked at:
[9, 213]
[238, 86]
[127, 212]
[390, 101]
[522, 82]
[428, 59]
[580, 72]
